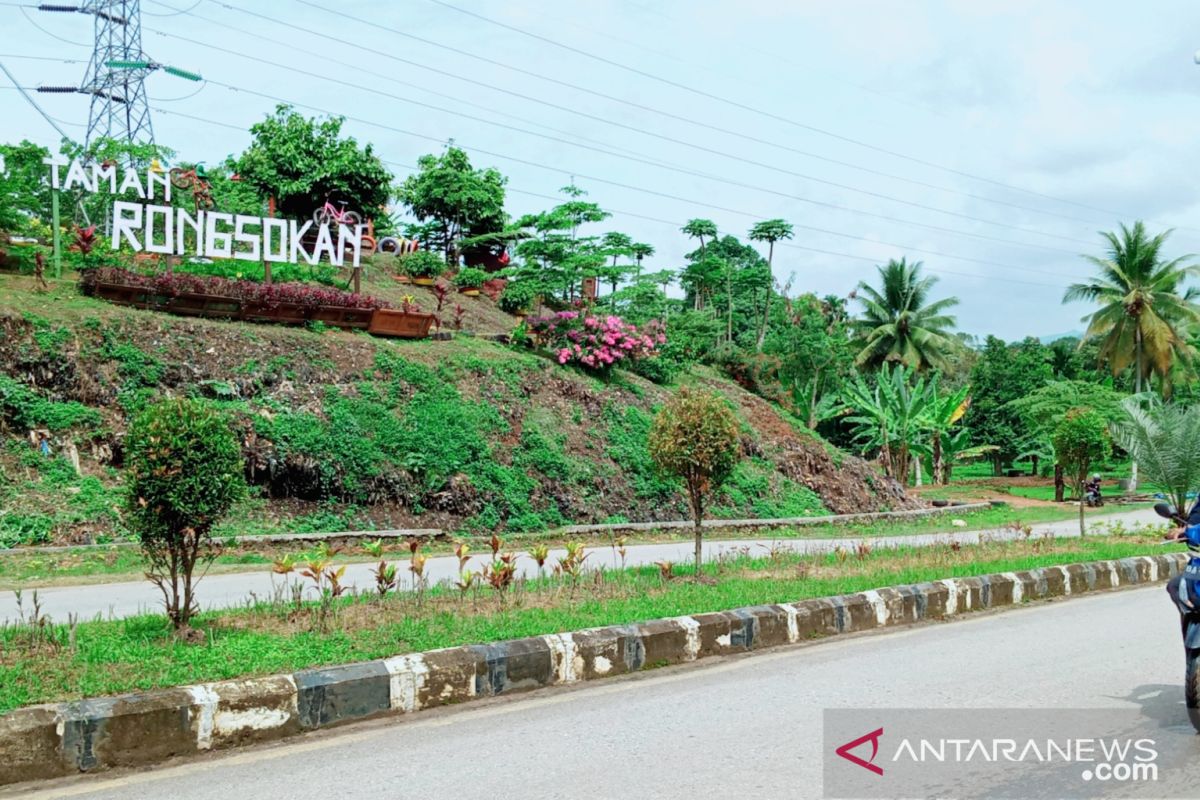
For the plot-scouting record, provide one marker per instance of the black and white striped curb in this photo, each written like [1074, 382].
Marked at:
[139, 729]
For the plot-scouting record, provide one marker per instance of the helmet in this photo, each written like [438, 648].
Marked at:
[1096, 477]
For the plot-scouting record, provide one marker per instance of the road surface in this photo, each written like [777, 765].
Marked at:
[745, 727]
[225, 590]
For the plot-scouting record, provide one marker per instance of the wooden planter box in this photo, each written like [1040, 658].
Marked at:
[471, 291]
[402, 324]
[344, 317]
[204, 305]
[423, 281]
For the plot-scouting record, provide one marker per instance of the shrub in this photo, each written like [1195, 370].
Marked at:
[517, 297]
[596, 343]
[423, 264]
[695, 438]
[184, 473]
[470, 278]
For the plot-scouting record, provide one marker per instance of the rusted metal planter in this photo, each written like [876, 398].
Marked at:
[401, 324]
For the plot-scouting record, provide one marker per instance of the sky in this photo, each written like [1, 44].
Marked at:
[991, 140]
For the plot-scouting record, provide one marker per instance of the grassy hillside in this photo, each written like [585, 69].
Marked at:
[341, 430]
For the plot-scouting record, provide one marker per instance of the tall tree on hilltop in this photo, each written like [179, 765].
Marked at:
[615, 244]
[701, 229]
[303, 162]
[769, 231]
[455, 200]
[899, 324]
[640, 251]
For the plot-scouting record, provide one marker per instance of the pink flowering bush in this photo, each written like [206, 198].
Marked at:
[595, 342]
[270, 295]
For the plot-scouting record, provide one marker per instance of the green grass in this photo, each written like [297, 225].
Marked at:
[140, 654]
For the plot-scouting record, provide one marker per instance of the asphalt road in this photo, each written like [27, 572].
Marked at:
[221, 591]
[746, 727]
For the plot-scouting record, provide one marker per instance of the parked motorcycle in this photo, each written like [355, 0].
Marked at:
[1185, 591]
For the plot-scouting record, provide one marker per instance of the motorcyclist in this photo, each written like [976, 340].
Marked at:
[1189, 533]
[1092, 488]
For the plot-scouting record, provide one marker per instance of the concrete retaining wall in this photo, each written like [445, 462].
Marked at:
[53, 740]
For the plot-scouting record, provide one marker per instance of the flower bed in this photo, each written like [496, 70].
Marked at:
[209, 296]
[247, 293]
[597, 343]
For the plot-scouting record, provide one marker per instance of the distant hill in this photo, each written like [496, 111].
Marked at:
[1054, 337]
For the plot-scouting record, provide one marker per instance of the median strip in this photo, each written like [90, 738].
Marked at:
[53, 740]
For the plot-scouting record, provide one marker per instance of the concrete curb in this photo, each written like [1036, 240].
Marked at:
[785, 522]
[346, 538]
[48, 741]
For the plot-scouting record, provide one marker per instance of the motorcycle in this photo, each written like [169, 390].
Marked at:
[1092, 496]
[1185, 591]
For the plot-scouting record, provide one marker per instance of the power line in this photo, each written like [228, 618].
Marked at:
[29, 19]
[761, 112]
[33, 102]
[644, 160]
[385, 77]
[618, 184]
[641, 131]
[688, 200]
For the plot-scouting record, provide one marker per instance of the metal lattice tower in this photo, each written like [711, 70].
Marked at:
[119, 107]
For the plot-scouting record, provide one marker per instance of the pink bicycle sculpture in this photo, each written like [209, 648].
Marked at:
[328, 215]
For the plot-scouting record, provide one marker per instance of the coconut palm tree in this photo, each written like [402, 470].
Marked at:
[899, 325]
[1143, 308]
[1143, 305]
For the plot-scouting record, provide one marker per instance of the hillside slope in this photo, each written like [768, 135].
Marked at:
[343, 430]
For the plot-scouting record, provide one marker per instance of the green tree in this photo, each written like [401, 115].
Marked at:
[769, 231]
[24, 185]
[1041, 410]
[616, 246]
[701, 229]
[184, 472]
[814, 352]
[454, 200]
[640, 251]
[1081, 439]
[554, 257]
[695, 437]
[302, 162]
[899, 324]
[1003, 374]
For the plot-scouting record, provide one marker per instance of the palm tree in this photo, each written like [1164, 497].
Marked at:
[641, 250]
[899, 325]
[1166, 439]
[1143, 307]
[1142, 310]
[769, 231]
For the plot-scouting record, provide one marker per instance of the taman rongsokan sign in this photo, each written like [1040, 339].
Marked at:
[150, 228]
